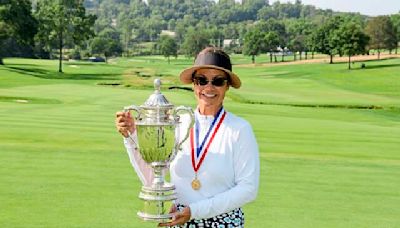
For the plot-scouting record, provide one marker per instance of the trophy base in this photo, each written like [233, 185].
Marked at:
[155, 218]
[157, 203]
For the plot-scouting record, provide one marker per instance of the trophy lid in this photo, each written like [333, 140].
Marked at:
[157, 99]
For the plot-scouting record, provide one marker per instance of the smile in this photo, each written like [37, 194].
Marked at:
[209, 95]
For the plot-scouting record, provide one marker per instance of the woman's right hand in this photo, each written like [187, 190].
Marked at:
[124, 123]
[178, 217]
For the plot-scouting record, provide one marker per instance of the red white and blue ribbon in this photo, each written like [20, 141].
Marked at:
[201, 150]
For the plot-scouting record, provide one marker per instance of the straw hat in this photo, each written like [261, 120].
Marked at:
[214, 58]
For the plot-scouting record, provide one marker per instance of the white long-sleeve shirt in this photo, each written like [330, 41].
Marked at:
[229, 174]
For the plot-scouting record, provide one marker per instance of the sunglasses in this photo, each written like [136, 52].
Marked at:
[217, 81]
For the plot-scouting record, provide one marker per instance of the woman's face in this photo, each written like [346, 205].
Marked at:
[211, 95]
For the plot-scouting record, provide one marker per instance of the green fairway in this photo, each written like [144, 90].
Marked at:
[329, 141]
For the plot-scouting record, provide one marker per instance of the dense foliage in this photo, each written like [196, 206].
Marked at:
[250, 27]
[17, 27]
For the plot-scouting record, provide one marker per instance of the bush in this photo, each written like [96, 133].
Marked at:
[85, 54]
[75, 54]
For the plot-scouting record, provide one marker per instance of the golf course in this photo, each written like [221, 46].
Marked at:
[329, 140]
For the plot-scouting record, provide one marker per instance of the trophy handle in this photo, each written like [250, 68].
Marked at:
[137, 110]
[191, 113]
[134, 108]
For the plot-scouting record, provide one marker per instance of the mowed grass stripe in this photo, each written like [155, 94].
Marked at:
[58, 127]
[298, 188]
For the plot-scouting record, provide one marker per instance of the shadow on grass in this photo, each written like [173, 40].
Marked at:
[382, 64]
[241, 99]
[378, 66]
[285, 75]
[181, 88]
[106, 65]
[46, 74]
[20, 64]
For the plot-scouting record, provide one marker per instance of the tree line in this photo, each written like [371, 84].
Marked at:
[82, 28]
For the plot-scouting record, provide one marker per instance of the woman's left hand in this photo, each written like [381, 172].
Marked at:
[179, 218]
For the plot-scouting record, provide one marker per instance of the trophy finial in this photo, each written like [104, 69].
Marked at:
[157, 99]
[157, 84]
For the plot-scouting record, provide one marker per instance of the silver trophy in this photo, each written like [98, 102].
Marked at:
[157, 141]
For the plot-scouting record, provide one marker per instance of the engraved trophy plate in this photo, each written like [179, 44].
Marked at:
[156, 122]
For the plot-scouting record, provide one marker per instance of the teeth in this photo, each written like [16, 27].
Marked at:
[209, 95]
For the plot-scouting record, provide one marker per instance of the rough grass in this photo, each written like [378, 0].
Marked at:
[326, 160]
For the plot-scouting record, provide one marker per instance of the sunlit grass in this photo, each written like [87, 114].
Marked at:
[327, 160]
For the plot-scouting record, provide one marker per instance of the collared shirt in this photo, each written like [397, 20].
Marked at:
[229, 174]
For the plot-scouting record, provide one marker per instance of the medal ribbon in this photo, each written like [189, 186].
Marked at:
[201, 151]
[200, 148]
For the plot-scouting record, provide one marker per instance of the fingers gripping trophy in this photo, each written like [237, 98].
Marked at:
[157, 127]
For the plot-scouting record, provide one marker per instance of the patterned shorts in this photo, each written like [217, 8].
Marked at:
[234, 218]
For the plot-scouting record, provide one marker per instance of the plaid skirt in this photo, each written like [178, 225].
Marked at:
[234, 218]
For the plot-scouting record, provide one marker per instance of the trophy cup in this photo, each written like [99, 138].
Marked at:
[156, 122]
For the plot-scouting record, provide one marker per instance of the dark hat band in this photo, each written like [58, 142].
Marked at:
[213, 58]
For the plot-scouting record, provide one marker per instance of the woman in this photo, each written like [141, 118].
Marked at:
[217, 170]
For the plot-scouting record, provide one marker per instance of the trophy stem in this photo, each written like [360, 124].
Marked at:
[158, 168]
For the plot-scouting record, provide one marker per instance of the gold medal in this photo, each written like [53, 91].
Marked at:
[201, 147]
[196, 184]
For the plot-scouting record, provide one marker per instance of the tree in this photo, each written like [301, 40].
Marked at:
[299, 33]
[168, 46]
[277, 28]
[253, 43]
[105, 46]
[351, 40]
[16, 22]
[382, 33]
[322, 37]
[271, 42]
[267, 12]
[63, 22]
[153, 26]
[195, 41]
[395, 18]
[251, 7]
[297, 43]
[106, 43]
